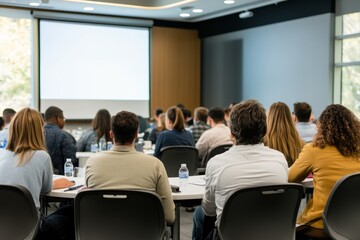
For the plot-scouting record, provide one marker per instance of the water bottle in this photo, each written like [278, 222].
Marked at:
[109, 145]
[183, 175]
[68, 168]
[102, 144]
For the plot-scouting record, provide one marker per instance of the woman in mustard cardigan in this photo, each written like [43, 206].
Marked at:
[334, 153]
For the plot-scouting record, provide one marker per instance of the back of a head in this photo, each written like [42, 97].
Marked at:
[339, 127]
[124, 126]
[52, 113]
[281, 132]
[201, 114]
[248, 122]
[175, 115]
[217, 114]
[101, 123]
[161, 122]
[158, 111]
[279, 116]
[26, 132]
[8, 113]
[302, 111]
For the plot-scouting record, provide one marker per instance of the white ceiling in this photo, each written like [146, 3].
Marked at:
[152, 9]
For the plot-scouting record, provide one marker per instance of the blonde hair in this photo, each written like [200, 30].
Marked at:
[281, 132]
[161, 122]
[26, 134]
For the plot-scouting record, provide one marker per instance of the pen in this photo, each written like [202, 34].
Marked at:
[73, 188]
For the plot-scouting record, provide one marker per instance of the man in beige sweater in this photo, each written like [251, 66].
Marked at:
[124, 168]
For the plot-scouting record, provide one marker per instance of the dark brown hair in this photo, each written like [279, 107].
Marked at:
[175, 115]
[101, 124]
[339, 127]
[124, 126]
[248, 122]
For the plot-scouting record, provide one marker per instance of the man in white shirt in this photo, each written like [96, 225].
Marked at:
[256, 165]
[305, 128]
[8, 114]
[219, 133]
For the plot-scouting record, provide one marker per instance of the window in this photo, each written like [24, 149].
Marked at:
[15, 59]
[347, 61]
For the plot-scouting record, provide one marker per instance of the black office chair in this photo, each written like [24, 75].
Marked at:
[173, 156]
[19, 218]
[341, 215]
[143, 126]
[118, 214]
[213, 152]
[265, 212]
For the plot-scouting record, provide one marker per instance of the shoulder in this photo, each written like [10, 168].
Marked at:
[41, 156]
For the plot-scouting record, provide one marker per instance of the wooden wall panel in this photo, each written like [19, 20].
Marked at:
[175, 70]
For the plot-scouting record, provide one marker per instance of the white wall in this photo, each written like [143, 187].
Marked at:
[290, 61]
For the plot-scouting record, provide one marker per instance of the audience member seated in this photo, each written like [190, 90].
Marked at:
[59, 145]
[304, 126]
[25, 162]
[334, 153]
[200, 119]
[157, 113]
[259, 165]
[176, 135]
[8, 114]
[219, 133]
[100, 128]
[281, 132]
[161, 126]
[124, 168]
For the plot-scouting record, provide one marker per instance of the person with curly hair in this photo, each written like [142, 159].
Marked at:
[334, 153]
[281, 132]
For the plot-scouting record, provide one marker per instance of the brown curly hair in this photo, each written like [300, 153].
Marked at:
[339, 127]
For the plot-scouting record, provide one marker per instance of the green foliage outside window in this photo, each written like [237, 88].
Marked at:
[15, 63]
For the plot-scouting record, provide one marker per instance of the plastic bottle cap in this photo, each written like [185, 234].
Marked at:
[183, 165]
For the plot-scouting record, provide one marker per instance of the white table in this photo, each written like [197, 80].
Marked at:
[193, 192]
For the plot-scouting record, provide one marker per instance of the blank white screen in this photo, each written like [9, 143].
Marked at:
[84, 67]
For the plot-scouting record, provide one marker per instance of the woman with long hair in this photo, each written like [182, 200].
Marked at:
[100, 128]
[281, 132]
[25, 160]
[161, 126]
[334, 153]
[176, 134]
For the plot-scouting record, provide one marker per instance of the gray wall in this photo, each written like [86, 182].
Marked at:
[290, 61]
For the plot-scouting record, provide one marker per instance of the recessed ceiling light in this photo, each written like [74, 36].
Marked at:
[88, 9]
[197, 10]
[34, 4]
[229, 1]
[184, 15]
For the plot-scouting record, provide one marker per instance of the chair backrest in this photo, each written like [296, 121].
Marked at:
[19, 217]
[341, 214]
[118, 214]
[264, 212]
[215, 151]
[173, 156]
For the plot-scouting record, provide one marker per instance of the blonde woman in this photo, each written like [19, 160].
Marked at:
[161, 126]
[25, 160]
[281, 132]
[177, 135]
